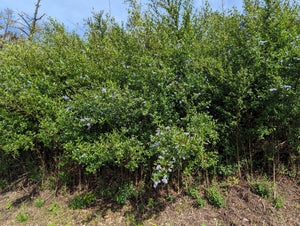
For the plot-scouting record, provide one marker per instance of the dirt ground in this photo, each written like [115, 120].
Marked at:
[243, 207]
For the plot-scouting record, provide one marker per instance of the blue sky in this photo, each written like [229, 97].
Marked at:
[72, 12]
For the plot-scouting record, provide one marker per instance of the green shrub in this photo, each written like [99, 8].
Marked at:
[172, 89]
[262, 187]
[81, 201]
[124, 192]
[176, 149]
[77, 203]
[215, 196]
[201, 202]
[194, 193]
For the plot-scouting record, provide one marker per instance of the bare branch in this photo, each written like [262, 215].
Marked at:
[23, 30]
[41, 16]
[30, 23]
[26, 18]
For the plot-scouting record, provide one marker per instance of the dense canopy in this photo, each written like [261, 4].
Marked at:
[175, 92]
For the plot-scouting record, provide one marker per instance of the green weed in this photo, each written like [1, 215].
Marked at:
[39, 203]
[53, 207]
[170, 197]
[150, 202]
[42, 187]
[22, 217]
[9, 206]
[278, 202]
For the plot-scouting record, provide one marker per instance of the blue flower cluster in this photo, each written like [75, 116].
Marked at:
[169, 152]
[164, 179]
[262, 42]
[156, 144]
[66, 97]
[88, 120]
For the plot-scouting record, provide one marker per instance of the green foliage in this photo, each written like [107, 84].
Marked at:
[173, 90]
[81, 201]
[9, 206]
[22, 217]
[278, 202]
[39, 203]
[176, 149]
[263, 187]
[42, 187]
[122, 192]
[215, 196]
[35, 176]
[53, 207]
[52, 183]
[65, 177]
[201, 202]
[3, 184]
[152, 203]
[194, 193]
[77, 203]
[130, 219]
[230, 181]
[170, 197]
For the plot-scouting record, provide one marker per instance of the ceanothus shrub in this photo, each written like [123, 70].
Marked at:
[176, 149]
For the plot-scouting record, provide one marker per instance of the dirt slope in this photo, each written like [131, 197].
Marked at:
[243, 207]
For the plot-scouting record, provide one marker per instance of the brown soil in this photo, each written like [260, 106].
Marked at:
[243, 207]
